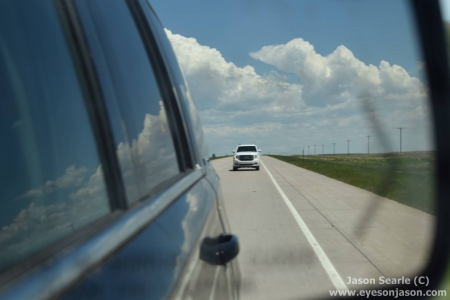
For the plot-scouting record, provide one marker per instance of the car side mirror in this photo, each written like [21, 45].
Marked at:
[259, 150]
[232, 151]
[219, 250]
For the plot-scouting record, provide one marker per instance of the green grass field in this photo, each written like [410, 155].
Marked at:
[407, 178]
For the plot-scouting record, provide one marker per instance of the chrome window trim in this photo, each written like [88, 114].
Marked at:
[149, 16]
[175, 117]
[94, 102]
[55, 277]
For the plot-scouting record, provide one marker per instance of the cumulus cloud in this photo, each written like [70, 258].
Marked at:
[193, 201]
[339, 76]
[39, 223]
[218, 84]
[239, 105]
[151, 154]
[420, 66]
[72, 177]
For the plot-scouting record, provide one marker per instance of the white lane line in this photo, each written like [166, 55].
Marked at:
[188, 274]
[213, 290]
[326, 263]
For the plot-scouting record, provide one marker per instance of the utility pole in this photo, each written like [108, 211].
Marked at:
[348, 147]
[400, 128]
[314, 149]
[368, 145]
[334, 152]
[308, 149]
[322, 149]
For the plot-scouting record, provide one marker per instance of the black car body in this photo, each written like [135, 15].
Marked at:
[106, 182]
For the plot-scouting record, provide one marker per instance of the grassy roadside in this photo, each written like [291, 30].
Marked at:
[407, 178]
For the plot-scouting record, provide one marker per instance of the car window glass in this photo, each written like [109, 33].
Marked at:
[123, 150]
[140, 101]
[246, 149]
[51, 179]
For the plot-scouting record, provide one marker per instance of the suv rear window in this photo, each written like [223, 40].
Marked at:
[246, 149]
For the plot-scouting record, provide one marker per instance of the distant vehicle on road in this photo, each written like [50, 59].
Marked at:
[246, 156]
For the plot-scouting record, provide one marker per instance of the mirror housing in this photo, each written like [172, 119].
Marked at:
[259, 150]
[219, 250]
[232, 151]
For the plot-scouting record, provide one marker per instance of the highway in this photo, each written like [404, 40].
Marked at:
[302, 234]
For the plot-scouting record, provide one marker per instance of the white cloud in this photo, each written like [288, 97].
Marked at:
[339, 76]
[72, 177]
[152, 153]
[39, 223]
[217, 83]
[420, 66]
[193, 201]
[237, 104]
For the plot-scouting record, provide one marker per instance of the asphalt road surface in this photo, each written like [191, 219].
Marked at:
[302, 234]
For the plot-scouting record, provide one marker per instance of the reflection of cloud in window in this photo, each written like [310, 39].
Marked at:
[153, 151]
[72, 177]
[193, 200]
[38, 225]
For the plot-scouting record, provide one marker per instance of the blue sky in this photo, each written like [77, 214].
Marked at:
[445, 8]
[315, 109]
[237, 28]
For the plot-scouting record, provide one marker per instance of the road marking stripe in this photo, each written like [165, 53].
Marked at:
[212, 295]
[326, 263]
[190, 268]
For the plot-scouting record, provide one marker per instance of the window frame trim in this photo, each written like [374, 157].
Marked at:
[174, 112]
[45, 281]
[94, 102]
[197, 160]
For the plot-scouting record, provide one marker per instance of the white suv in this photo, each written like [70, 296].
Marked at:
[246, 156]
